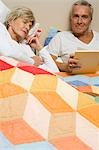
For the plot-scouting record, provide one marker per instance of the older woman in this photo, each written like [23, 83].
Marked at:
[12, 35]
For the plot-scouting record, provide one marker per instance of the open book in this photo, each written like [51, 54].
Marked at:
[89, 60]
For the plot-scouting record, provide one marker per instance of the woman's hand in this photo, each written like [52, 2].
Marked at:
[37, 60]
[33, 41]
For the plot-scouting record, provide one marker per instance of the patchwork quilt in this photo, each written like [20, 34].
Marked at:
[42, 111]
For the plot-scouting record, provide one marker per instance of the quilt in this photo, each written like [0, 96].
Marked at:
[43, 111]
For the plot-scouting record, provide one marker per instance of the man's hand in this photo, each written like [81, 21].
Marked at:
[67, 65]
[73, 63]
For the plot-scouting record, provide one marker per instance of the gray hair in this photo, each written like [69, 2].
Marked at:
[21, 12]
[84, 3]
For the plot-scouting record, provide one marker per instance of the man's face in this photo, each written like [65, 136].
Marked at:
[80, 20]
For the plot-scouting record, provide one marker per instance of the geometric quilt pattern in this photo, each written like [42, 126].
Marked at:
[42, 111]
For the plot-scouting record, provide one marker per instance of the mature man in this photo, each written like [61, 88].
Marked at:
[65, 43]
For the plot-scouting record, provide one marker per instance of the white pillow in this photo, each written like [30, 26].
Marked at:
[4, 10]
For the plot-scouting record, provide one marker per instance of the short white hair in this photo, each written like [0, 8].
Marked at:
[20, 12]
[84, 3]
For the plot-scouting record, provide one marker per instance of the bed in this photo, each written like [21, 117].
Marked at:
[43, 111]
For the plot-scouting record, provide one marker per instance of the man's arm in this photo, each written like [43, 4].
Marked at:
[61, 66]
[71, 64]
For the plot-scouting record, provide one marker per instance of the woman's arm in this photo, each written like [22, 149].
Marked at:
[48, 64]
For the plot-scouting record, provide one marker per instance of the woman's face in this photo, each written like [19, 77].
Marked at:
[20, 28]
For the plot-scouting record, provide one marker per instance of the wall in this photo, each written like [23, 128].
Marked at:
[52, 12]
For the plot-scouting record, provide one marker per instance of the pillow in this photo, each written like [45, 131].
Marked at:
[4, 10]
[52, 32]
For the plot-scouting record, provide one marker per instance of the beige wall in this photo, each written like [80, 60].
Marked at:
[52, 12]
